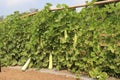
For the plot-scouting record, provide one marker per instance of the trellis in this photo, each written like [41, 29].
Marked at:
[77, 6]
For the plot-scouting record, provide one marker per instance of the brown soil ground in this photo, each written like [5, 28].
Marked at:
[17, 74]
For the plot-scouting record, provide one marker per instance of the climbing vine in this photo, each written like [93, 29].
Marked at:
[87, 41]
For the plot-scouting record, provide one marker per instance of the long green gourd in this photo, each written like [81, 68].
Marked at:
[26, 64]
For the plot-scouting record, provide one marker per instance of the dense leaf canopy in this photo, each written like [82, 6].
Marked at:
[86, 41]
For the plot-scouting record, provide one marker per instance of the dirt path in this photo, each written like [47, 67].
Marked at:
[17, 74]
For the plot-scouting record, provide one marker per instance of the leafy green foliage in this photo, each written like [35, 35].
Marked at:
[78, 41]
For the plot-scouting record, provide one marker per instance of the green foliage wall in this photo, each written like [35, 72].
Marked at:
[79, 41]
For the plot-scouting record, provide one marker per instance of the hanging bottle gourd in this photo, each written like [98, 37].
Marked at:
[74, 40]
[50, 61]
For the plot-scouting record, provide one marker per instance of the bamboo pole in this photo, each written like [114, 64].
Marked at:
[78, 6]
[84, 5]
